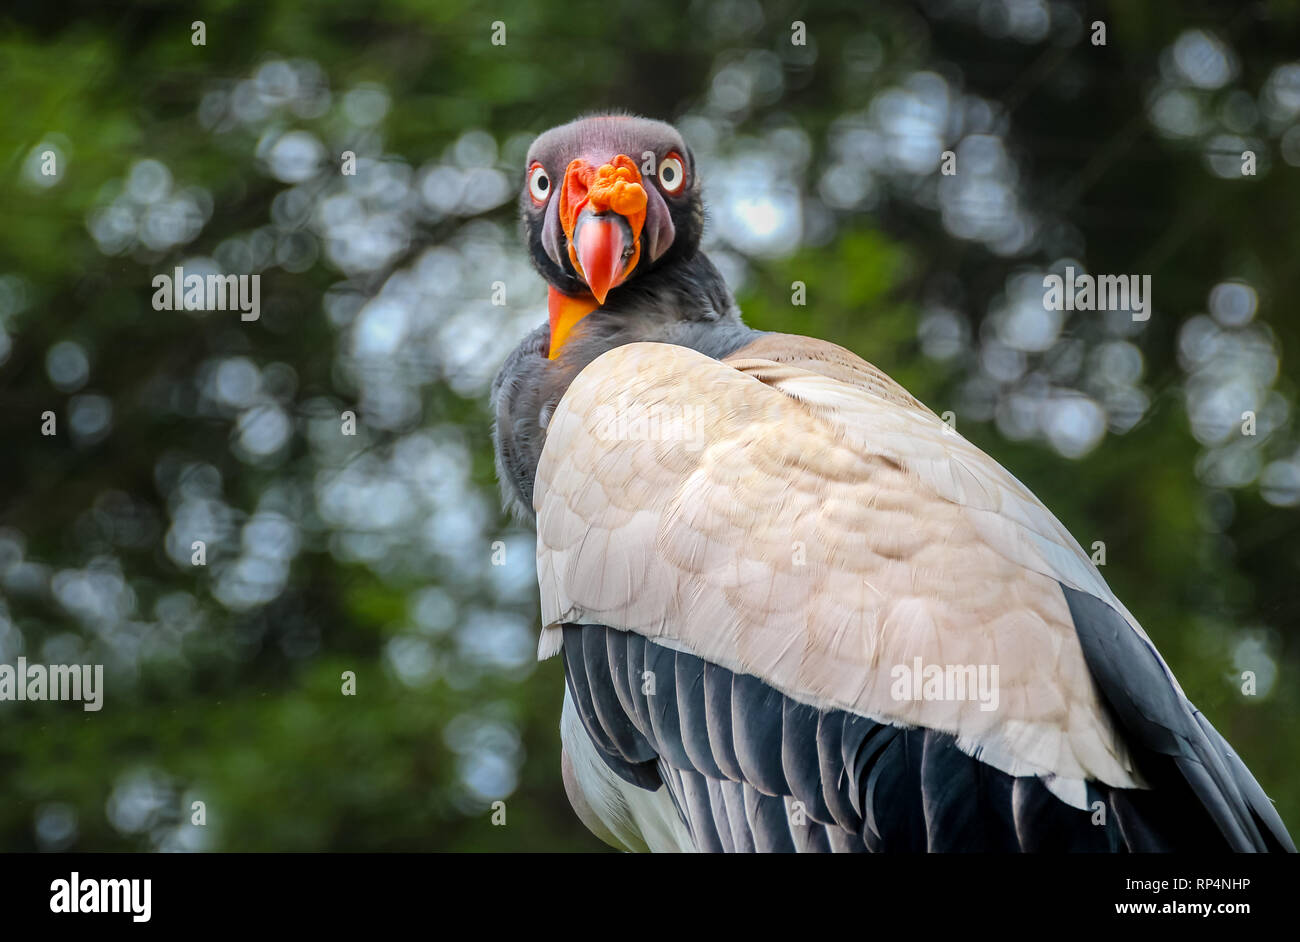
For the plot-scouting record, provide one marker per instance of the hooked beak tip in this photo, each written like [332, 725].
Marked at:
[601, 249]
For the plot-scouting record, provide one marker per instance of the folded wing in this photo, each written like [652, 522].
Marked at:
[791, 517]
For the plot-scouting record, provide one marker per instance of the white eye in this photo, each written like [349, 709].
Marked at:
[539, 184]
[672, 174]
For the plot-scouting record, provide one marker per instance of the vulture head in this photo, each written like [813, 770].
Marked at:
[613, 215]
[606, 200]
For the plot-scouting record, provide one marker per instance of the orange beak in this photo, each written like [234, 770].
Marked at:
[597, 251]
[602, 211]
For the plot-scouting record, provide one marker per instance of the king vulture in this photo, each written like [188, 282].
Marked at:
[797, 611]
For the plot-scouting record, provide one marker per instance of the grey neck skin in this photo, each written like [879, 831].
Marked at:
[687, 304]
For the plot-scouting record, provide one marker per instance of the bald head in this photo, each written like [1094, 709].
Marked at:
[606, 199]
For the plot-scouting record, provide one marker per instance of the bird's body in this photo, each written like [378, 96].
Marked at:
[796, 610]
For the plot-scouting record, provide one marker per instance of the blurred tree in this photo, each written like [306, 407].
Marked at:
[374, 553]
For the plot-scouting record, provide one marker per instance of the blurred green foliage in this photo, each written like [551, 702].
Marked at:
[235, 700]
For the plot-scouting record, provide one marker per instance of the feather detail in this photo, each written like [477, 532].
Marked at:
[821, 534]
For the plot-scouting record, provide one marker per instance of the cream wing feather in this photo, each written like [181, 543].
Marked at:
[818, 528]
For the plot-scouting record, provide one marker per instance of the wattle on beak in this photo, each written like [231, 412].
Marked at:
[602, 211]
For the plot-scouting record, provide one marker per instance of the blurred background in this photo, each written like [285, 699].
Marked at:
[372, 553]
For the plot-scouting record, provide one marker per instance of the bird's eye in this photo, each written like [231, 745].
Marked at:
[672, 174]
[539, 184]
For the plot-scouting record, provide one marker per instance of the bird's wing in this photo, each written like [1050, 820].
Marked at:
[814, 537]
